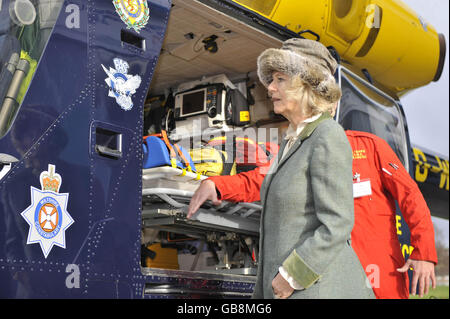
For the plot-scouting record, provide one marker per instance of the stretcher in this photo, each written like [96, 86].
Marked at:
[166, 193]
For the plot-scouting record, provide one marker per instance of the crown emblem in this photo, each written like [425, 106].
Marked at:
[134, 13]
[121, 66]
[50, 181]
[47, 215]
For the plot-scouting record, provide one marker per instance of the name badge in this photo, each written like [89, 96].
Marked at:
[362, 188]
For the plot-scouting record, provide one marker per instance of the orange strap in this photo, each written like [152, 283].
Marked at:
[173, 155]
[163, 136]
[186, 162]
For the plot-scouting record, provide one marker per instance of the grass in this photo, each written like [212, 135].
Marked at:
[441, 292]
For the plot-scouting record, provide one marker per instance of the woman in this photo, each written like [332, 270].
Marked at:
[307, 197]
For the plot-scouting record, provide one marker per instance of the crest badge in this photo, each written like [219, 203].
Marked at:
[134, 13]
[122, 85]
[47, 215]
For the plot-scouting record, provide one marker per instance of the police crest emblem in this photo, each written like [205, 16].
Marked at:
[121, 84]
[47, 215]
[134, 13]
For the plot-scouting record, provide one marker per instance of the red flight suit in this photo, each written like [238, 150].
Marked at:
[374, 235]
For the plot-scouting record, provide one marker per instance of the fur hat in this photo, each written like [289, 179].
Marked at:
[308, 59]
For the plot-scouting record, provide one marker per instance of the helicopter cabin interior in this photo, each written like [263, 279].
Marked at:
[204, 47]
[204, 87]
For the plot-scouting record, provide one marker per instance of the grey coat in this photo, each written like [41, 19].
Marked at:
[308, 216]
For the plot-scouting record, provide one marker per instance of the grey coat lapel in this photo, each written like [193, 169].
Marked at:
[307, 131]
[272, 170]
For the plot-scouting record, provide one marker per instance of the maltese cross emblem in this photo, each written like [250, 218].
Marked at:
[47, 215]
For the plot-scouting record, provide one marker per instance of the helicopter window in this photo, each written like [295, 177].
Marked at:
[373, 113]
[264, 7]
[25, 26]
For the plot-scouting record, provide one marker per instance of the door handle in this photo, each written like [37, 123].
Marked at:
[108, 152]
[6, 163]
[108, 143]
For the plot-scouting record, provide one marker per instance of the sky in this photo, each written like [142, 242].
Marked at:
[427, 108]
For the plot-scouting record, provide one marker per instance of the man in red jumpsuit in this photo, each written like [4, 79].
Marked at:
[379, 180]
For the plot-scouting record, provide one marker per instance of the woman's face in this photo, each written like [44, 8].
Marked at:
[281, 103]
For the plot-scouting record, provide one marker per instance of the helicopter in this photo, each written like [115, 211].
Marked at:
[81, 83]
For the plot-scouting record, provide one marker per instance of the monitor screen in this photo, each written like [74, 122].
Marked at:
[193, 102]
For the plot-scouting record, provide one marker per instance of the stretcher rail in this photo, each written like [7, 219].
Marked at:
[167, 192]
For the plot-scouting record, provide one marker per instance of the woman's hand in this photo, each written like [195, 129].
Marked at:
[281, 288]
[206, 190]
